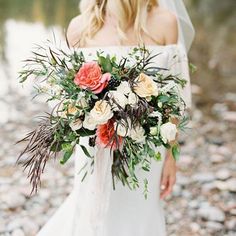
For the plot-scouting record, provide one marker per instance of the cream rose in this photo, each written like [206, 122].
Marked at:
[75, 125]
[145, 86]
[89, 123]
[71, 109]
[168, 132]
[137, 134]
[101, 112]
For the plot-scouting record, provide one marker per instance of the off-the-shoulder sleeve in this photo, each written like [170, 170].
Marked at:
[179, 65]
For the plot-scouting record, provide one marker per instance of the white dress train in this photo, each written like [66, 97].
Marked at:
[93, 208]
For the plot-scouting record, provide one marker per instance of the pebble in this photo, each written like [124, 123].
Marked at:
[214, 226]
[18, 232]
[230, 233]
[231, 184]
[233, 212]
[13, 199]
[183, 180]
[196, 89]
[216, 158]
[224, 150]
[230, 97]
[207, 187]
[5, 181]
[231, 224]
[229, 116]
[223, 174]
[30, 228]
[177, 190]
[194, 204]
[219, 108]
[204, 177]
[17, 223]
[211, 214]
[186, 160]
[221, 185]
[195, 227]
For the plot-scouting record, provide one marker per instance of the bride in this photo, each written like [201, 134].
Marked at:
[93, 208]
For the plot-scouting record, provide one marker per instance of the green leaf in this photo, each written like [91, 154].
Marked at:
[145, 192]
[163, 98]
[85, 151]
[176, 151]
[192, 68]
[85, 132]
[157, 156]
[66, 157]
[151, 152]
[84, 176]
[145, 168]
[66, 147]
[105, 63]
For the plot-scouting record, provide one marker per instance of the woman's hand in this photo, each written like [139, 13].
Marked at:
[168, 177]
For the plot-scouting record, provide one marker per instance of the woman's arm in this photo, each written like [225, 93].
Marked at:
[73, 33]
[168, 177]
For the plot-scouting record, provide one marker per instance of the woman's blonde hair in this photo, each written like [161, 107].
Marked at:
[128, 13]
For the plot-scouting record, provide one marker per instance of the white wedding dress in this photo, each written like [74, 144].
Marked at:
[93, 208]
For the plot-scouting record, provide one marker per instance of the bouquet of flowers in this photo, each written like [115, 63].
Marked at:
[126, 105]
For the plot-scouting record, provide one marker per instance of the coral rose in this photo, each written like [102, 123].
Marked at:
[106, 136]
[90, 77]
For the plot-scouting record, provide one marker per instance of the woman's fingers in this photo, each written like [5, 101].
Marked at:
[168, 176]
[164, 184]
[169, 183]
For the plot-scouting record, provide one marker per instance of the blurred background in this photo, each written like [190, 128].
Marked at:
[204, 198]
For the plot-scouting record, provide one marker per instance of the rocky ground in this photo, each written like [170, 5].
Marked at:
[203, 201]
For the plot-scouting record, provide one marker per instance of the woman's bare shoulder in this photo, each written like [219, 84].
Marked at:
[167, 23]
[73, 31]
[165, 14]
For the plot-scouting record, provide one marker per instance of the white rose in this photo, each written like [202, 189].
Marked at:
[132, 99]
[75, 125]
[168, 132]
[120, 99]
[101, 112]
[122, 128]
[155, 114]
[124, 88]
[89, 123]
[153, 130]
[145, 86]
[138, 134]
